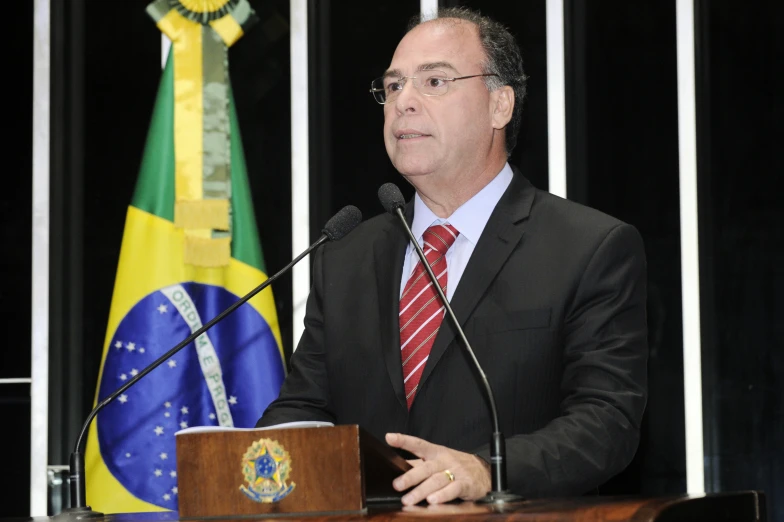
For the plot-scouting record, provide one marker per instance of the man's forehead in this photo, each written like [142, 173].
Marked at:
[446, 43]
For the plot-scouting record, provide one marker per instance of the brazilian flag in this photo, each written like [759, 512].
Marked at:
[171, 279]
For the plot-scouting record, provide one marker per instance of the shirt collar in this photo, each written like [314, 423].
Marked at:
[472, 216]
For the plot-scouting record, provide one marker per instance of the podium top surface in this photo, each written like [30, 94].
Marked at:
[746, 506]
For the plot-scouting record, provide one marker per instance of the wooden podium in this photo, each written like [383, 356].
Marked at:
[334, 469]
[343, 473]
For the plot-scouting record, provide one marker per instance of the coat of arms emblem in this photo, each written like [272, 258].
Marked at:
[266, 466]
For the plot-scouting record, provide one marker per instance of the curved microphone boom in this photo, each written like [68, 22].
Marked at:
[393, 202]
[336, 228]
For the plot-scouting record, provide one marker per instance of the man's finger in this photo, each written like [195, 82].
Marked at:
[452, 491]
[419, 447]
[434, 483]
[415, 475]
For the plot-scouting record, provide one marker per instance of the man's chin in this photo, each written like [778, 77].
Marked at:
[414, 168]
[414, 173]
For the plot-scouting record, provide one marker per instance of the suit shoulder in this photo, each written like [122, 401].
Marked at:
[571, 216]
[362, 236]
[580, 228]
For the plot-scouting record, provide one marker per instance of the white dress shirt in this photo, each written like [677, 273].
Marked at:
[470, 220]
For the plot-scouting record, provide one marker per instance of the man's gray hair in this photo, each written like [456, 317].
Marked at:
[503, 58]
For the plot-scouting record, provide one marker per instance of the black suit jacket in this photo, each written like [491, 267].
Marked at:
[553, 303]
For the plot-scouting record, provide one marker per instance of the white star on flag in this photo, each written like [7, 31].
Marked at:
[166, 496]
[183, 425]
[175, 490]
[167, 404]
[232, 400]
[123, 377]
[123, 398]
[133, 372]
[172, 363]
[167, 414]
[172, 473]
[118, 344]
[141, 350]
[159, 430]
[158, 473]
[131, 346]
[127, 455]
[212, 416]
[163, 456]
[184, 410]
[163, 308]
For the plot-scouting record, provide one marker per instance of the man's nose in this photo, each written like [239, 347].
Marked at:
[408, 100]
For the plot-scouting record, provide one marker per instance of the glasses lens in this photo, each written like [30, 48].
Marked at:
[392, 87]
[377, 88]
[429, 83]
[433, 83]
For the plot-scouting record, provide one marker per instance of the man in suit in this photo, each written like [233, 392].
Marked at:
[551, 294]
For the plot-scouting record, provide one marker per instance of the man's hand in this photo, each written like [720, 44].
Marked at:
[471, 473]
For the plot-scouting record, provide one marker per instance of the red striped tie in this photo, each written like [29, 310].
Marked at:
[421, 310]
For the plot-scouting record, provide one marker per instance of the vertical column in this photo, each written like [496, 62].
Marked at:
[39, 387]
[690, 266]
[300, 161]
[428, 7]
[556, 99]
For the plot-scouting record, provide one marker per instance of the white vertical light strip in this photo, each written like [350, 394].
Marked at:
[556, 99]
[165, 46]
[39, 387]
[300, 163]
[428, 8]
[690, 266]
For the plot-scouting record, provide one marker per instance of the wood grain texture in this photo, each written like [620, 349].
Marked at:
[741, 506]
[747, 506]
[325, 470]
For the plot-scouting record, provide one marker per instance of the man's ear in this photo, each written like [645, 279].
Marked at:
[502, 105]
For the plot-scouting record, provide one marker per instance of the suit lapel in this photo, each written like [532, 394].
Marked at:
[389, 251]
[500, 237]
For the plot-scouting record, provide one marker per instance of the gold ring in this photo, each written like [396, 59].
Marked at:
[449, 475]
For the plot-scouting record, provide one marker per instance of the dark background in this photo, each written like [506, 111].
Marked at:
[622, 158]
[740, 137]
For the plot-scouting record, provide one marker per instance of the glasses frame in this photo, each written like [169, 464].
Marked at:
[406, 78]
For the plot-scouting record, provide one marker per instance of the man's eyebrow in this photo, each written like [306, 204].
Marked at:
[436, 65]
[397, 73]
[393, 73]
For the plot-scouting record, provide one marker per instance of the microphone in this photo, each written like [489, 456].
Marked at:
[392, 200]
[336, 228]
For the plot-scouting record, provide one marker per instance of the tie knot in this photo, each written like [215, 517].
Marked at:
[440, 237]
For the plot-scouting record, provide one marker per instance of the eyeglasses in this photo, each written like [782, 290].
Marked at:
[429, 83]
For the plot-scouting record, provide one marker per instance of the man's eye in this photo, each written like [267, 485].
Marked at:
[435, 81]
[394, 87]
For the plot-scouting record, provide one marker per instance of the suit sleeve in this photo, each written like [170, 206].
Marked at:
[604, 384]
[304, 395]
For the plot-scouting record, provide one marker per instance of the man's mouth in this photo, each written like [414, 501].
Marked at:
[409, 134]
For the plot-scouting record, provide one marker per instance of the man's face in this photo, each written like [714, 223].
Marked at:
[454, 130]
